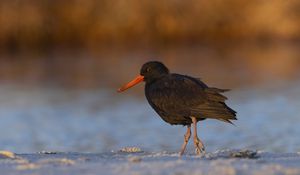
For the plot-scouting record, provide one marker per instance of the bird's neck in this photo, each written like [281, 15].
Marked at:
[153, 79]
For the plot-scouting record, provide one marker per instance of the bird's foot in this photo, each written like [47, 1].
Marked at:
[199, 147]
[200, 150]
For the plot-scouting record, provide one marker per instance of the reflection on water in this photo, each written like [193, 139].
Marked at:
[232, 65]
[36, 119]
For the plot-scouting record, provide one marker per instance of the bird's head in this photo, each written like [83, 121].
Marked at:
[150, 71]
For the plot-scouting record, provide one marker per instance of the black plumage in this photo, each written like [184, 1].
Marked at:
[181, 99]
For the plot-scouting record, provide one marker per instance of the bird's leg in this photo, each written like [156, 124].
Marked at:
[197, 142]
[187, 136]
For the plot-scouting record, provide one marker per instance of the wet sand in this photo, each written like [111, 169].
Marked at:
[229, 162]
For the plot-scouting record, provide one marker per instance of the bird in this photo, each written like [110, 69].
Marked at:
[182, 100]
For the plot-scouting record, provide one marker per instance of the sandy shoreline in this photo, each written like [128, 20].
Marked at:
[220, 162]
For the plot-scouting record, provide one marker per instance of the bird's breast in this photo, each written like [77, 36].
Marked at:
[161, 100]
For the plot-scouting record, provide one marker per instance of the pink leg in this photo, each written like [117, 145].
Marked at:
[197, 142]
[187, 136]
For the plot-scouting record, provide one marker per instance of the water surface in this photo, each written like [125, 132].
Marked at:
[36, 119]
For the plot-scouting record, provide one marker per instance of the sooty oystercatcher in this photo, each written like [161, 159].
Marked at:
[182, 100]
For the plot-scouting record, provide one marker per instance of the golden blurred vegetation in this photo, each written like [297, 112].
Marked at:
[218, 33]
[34, 24]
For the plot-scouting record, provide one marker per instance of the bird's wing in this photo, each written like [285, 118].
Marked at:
[214, 106]
[178, 93]
[190, 96]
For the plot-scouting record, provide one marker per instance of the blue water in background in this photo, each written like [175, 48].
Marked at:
[37, 119]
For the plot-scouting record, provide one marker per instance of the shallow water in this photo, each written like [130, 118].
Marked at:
[36, 119]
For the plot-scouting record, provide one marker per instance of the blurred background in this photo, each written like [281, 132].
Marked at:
[62, 61]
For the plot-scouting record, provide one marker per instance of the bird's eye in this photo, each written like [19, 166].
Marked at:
[148, 69]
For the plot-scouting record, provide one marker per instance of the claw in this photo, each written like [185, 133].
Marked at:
[199, 147]
[199, 151]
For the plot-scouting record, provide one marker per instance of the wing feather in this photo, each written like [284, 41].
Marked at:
[187, 96]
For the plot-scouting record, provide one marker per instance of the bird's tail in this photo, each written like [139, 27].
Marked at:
[216, 108]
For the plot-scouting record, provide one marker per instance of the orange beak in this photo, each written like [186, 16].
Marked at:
[135, 81]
